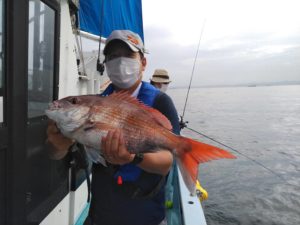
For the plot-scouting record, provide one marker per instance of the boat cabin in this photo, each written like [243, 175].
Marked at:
[39, 55]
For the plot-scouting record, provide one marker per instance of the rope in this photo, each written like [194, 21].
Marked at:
[79, 46]
[101, 26]
[100, 66]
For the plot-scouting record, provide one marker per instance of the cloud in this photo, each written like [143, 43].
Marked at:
[243, 58]
[242, 42]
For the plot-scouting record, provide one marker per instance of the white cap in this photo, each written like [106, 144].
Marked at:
[132, 39]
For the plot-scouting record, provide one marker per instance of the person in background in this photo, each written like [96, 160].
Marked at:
[130, 190]
[160, 79]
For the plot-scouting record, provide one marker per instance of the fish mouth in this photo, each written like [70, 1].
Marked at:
[54, 106]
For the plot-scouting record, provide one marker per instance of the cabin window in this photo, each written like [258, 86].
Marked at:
[2, 150]
[1, 63]
[41, 43]
[46, 179]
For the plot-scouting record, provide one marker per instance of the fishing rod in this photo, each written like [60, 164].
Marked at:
[237, 151]
[183, 123]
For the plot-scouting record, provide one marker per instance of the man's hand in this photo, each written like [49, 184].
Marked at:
[115, 152]
[114, 149]
[57, 143]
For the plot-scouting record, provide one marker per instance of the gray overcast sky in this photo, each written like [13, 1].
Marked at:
[244, 41]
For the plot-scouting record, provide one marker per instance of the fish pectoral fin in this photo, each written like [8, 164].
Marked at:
[89, 127]
[95, 156]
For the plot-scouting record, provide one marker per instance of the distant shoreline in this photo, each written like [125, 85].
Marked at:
[242, 85]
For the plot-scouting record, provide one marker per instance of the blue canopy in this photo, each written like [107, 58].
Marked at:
[101, 17]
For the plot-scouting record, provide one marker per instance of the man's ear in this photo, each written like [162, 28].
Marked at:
[144, 63]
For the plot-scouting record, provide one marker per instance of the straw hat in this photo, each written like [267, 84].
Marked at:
[160, 76]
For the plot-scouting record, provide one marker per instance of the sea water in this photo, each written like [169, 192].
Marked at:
[262, 123]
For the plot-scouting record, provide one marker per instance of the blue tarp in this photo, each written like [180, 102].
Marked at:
[115, 15]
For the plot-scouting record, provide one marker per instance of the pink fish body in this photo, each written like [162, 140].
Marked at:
[89, 118]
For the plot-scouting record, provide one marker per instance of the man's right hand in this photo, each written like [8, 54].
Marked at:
[57, 143]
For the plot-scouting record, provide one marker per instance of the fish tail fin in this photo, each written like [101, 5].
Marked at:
[190, 153]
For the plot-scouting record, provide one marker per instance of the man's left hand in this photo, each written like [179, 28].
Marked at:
[114, 149]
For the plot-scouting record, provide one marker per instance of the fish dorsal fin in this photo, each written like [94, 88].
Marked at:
[156, 115]
[124, 96]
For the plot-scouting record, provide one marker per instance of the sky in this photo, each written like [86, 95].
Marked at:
[243, 41]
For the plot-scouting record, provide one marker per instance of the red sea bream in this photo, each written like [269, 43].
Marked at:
[88, 118]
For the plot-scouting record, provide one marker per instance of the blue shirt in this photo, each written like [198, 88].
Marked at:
[126, 204]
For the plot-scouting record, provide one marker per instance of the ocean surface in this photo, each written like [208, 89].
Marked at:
[262, 123]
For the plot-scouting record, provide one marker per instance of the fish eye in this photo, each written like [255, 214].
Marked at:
[74, 100]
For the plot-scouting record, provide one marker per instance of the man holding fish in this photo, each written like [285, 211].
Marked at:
[140, 198]
[125, 63]
[131, 133]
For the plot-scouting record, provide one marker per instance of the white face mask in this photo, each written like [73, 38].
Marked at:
[123, 72]
[163, 87]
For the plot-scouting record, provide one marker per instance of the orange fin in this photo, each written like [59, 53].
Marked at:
[159, 117]
[124, 96]
[190, 153]
[155, 114]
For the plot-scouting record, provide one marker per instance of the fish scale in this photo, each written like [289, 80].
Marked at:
[144, 129]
